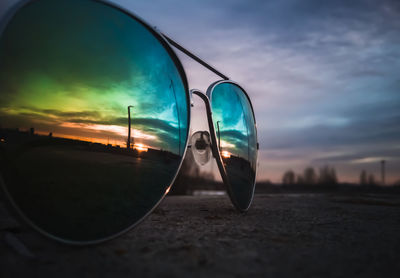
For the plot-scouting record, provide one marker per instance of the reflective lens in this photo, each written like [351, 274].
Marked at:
[235, 129]
[93, 118]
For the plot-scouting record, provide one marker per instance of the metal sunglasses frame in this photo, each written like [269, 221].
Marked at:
[166, 42]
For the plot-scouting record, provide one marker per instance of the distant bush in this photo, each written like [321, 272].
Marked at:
[366, 179]
[309, 176]
[327, 175]
[288, 177]
[363, 177]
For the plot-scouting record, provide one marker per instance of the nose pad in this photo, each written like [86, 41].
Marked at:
[201, 147]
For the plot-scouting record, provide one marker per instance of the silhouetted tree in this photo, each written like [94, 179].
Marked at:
[371, 179]
[327, 175]
[309, 175]
[363, 177]
[288, 177]
[300, 179]
[334, 176]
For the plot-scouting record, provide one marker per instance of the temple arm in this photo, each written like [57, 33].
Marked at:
[194, 57]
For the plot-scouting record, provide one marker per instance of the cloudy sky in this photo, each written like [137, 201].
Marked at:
[323, 76]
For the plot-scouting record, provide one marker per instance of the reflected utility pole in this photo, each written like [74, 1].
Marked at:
[383, 172]
[128, 143]
[179, 119]
[219, 137]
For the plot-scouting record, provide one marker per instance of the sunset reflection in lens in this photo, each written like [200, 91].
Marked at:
[235, 128]
[93, 117]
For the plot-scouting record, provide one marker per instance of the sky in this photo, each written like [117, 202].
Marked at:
[323, 76]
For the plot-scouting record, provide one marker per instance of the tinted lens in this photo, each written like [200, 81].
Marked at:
[93, 117]
[235, 129]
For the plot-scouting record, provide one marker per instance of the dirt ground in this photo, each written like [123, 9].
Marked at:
[282, 235]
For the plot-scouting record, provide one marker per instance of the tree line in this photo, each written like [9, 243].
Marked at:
[327, 176]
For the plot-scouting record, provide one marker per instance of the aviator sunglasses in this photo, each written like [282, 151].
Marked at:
[95, 120]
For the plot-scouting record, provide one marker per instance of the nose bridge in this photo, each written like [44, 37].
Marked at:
[213, 137]
[206, 101]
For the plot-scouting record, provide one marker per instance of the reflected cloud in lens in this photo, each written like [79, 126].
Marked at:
[89, 85]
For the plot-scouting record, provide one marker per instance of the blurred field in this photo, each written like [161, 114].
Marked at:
[282, 235]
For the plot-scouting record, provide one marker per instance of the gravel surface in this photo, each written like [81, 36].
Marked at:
[282, 235]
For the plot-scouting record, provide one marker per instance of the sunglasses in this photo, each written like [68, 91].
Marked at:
[95, 113]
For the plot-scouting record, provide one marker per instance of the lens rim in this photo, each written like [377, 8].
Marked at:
[220, 163]
[9, 201]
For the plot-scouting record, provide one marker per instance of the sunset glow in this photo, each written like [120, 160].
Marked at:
[141, 147]
[226, 154]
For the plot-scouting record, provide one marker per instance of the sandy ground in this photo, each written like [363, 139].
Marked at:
[282, 235]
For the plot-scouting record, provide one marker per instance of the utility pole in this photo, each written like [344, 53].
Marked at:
[128, 143]
[171, 85]
[383, 171]
[219, 137]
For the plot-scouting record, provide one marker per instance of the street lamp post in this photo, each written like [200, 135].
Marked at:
[171, 85]
[128, 143]
[219, 137]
